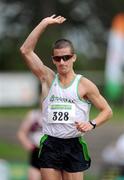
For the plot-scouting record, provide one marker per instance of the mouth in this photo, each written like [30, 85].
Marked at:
[62, 66]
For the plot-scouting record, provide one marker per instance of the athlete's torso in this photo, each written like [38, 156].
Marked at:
[62, 107]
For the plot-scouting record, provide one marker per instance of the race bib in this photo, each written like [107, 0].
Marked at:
[61, 113]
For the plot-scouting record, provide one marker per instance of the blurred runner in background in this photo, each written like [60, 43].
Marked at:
[114, 152]
[113, 160]
[29, 135]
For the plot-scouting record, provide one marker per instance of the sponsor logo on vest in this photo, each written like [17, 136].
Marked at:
[61, 99]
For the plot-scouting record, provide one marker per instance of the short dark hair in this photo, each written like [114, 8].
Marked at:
[63, 43]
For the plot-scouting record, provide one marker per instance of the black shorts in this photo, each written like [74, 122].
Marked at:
[34, 160]
[70, 155]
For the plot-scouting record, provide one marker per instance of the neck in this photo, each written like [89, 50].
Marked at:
[65, 79]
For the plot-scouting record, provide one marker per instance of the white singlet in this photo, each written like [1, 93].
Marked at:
[62, 107]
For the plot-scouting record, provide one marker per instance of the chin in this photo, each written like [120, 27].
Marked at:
[64, 71]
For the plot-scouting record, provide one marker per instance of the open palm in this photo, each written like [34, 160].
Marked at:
[54, 19]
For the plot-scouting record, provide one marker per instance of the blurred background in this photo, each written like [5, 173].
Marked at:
[96, 29]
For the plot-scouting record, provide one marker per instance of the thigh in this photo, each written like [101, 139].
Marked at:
[72, 176]
[50, 155]
[34, 174]
[76, 158]
[50, 174]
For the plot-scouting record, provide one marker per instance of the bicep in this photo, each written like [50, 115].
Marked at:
[37, 67]
[91, 92]
[98, 101]
[96, 98]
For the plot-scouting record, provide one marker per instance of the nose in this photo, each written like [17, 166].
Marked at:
[62, 61]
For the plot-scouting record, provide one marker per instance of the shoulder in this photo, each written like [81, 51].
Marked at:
[28, 120]
[31, 115]
[86, 82]
[87, 87]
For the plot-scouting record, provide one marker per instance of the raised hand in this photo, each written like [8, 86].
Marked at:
[54, 20]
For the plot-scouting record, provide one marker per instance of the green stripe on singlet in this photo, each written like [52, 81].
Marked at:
[43, 139]
[84, 148]
[61, 106]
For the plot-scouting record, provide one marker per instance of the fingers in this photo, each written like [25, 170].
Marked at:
[79, 126]
[59, 19]
[83, 126]
[62, 19]
[53, 16]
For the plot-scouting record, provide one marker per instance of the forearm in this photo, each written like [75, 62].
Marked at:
[103, 116]
[26, 143]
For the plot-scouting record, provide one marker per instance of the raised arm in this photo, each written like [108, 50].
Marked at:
[27, 49]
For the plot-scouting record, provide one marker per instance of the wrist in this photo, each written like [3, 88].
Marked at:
[44, 23]
[93, 123]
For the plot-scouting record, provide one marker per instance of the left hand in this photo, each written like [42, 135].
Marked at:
[54, 20]
[83, 126]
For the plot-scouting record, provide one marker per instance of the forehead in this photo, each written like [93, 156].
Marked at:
[62, 51]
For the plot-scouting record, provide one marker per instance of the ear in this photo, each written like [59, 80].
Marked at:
[54, 62]
[74, 57]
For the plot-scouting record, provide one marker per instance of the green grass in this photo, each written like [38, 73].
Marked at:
[17, 112]
[118, 113]
[19, 171]
[90, 177]
[12, 152]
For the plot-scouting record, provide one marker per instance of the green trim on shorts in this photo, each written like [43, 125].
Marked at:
[84, 148]
[42, 140]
